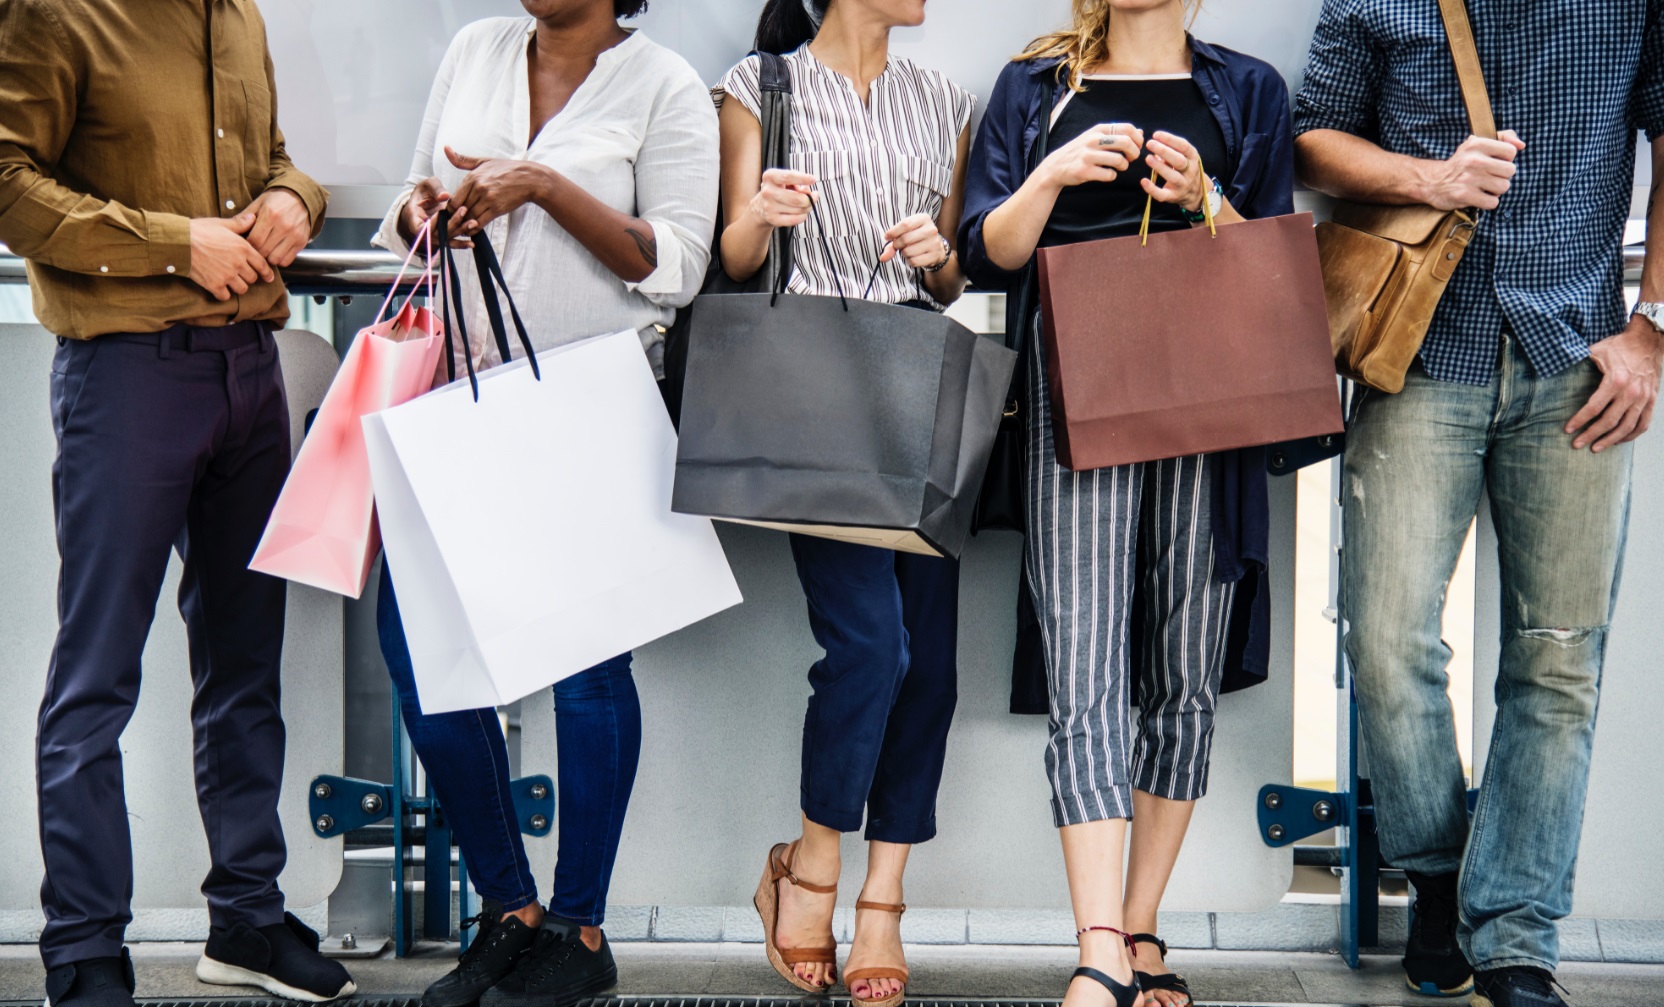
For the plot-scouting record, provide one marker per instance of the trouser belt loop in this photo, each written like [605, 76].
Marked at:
[267, 342]
[162, 341]
[190, 339]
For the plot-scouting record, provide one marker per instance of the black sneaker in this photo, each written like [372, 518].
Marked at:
[501, 942]
[1433, 961]
[559, 970]
[281, 959]
[96, 982]
[1515, 986]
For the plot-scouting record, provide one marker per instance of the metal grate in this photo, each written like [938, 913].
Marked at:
[627, 1001]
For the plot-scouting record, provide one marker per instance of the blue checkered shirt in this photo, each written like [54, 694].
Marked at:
[1575, 79]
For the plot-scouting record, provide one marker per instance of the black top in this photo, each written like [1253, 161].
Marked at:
[1116, 209]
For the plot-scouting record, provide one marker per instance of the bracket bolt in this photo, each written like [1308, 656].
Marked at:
[371, 804]
[539, 823]
[1276, 833]
[324, 823]
[539, 791]
[1274, 800]
[321, 791]
[1323, 811]
[348, 942]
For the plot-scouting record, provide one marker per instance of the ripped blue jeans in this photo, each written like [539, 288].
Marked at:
[1417, 465]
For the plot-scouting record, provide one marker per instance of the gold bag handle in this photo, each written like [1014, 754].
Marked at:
[1150, 202]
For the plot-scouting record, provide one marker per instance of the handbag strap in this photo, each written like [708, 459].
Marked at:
[775, 83]
[1028, 286]
[1468, 72]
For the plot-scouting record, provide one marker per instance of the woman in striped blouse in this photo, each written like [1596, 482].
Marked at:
[877, 166]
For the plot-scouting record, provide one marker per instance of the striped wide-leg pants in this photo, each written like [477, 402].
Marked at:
[1091, 534]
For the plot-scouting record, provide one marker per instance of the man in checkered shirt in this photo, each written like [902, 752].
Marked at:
[1532, 384]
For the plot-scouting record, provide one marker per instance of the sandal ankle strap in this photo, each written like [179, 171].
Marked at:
[1126, 938]
[780, 865]
[883, 907]
[1160, 944]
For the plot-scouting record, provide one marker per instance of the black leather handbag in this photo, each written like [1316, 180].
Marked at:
[776, 87]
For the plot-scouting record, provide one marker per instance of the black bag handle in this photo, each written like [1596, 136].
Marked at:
[491, 277]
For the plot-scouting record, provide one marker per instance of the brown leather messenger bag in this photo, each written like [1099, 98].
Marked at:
[1386, 267]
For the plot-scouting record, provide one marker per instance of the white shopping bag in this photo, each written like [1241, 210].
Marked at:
[530, 532]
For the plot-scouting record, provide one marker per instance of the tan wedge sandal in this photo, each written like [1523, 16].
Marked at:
[779, 869]
[898, 972]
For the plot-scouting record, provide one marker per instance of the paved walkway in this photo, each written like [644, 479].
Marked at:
[1218, 977]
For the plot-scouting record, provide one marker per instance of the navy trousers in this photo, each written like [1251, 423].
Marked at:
[173, 440]
[876, 734]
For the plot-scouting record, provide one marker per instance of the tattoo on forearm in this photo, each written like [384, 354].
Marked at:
[647, 244]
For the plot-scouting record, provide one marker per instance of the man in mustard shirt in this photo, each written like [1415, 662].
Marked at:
[143, 177]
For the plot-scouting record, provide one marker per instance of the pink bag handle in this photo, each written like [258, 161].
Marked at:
[423, 240]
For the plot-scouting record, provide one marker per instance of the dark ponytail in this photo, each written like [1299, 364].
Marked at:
[785, 25]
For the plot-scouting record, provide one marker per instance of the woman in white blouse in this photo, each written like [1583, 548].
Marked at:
[878, 153]
[588, 154]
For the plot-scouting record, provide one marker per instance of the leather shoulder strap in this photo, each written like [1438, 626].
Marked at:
[775, 75]
[1472, 78]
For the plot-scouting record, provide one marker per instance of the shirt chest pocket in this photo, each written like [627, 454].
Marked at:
[251, 103]
[843, 188]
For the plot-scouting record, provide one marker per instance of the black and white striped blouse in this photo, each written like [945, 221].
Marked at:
[877, 163]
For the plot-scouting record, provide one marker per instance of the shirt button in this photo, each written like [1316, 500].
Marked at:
[170, 269]
[229, 205]
[103, 269]
[220, 133]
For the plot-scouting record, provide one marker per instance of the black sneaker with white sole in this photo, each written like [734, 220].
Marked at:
[281, 959]
[501, 942]
[558, 971]
[1433, 961]
[96, 982]
[1515, 986]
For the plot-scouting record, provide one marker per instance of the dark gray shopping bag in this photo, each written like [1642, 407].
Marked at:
[858, 421]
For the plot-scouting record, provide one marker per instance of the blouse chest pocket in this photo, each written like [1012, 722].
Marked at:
[839, 184]
[925, 183]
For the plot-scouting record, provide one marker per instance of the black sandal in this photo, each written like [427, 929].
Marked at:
[1170, 982]
[1125, 995]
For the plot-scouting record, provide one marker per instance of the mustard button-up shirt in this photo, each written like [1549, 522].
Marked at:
[119, 122]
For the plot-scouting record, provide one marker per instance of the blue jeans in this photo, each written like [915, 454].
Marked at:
[598, 743]
[875, 736]
[1416, 466]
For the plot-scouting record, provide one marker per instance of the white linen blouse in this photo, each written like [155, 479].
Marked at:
[639, 134]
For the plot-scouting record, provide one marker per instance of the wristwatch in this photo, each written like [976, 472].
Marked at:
[947, 257]
[1653, 312]
[1216, 202]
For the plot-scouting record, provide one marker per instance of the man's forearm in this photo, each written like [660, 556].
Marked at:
[1350, 167]
[1652, 272]
[53, 225]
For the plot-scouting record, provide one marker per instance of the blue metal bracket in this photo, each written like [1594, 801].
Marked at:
[340, 804]
[534, 804]
[1290, 814]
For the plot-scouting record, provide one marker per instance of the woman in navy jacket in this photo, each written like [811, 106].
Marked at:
[1149, 579]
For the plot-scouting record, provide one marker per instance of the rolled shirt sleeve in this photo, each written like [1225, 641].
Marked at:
[41, 219]
[677, 177]
[282, 173]
[997, 169]
[1343, 74]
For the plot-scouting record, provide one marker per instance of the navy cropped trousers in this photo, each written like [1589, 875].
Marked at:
[166, 441]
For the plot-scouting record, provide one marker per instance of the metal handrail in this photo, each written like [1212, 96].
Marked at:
[334, 274]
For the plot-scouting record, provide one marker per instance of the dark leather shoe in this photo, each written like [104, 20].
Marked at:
[1515, 986]
[96, 982]
[1433, 961]
[281, 959]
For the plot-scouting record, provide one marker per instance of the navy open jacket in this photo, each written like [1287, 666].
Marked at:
[1251, 102]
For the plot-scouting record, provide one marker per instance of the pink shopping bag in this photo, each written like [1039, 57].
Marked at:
[323, 531]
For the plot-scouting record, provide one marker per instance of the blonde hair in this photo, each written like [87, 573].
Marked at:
[1085, 43]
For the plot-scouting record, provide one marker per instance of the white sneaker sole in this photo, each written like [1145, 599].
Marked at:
[220, 974]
